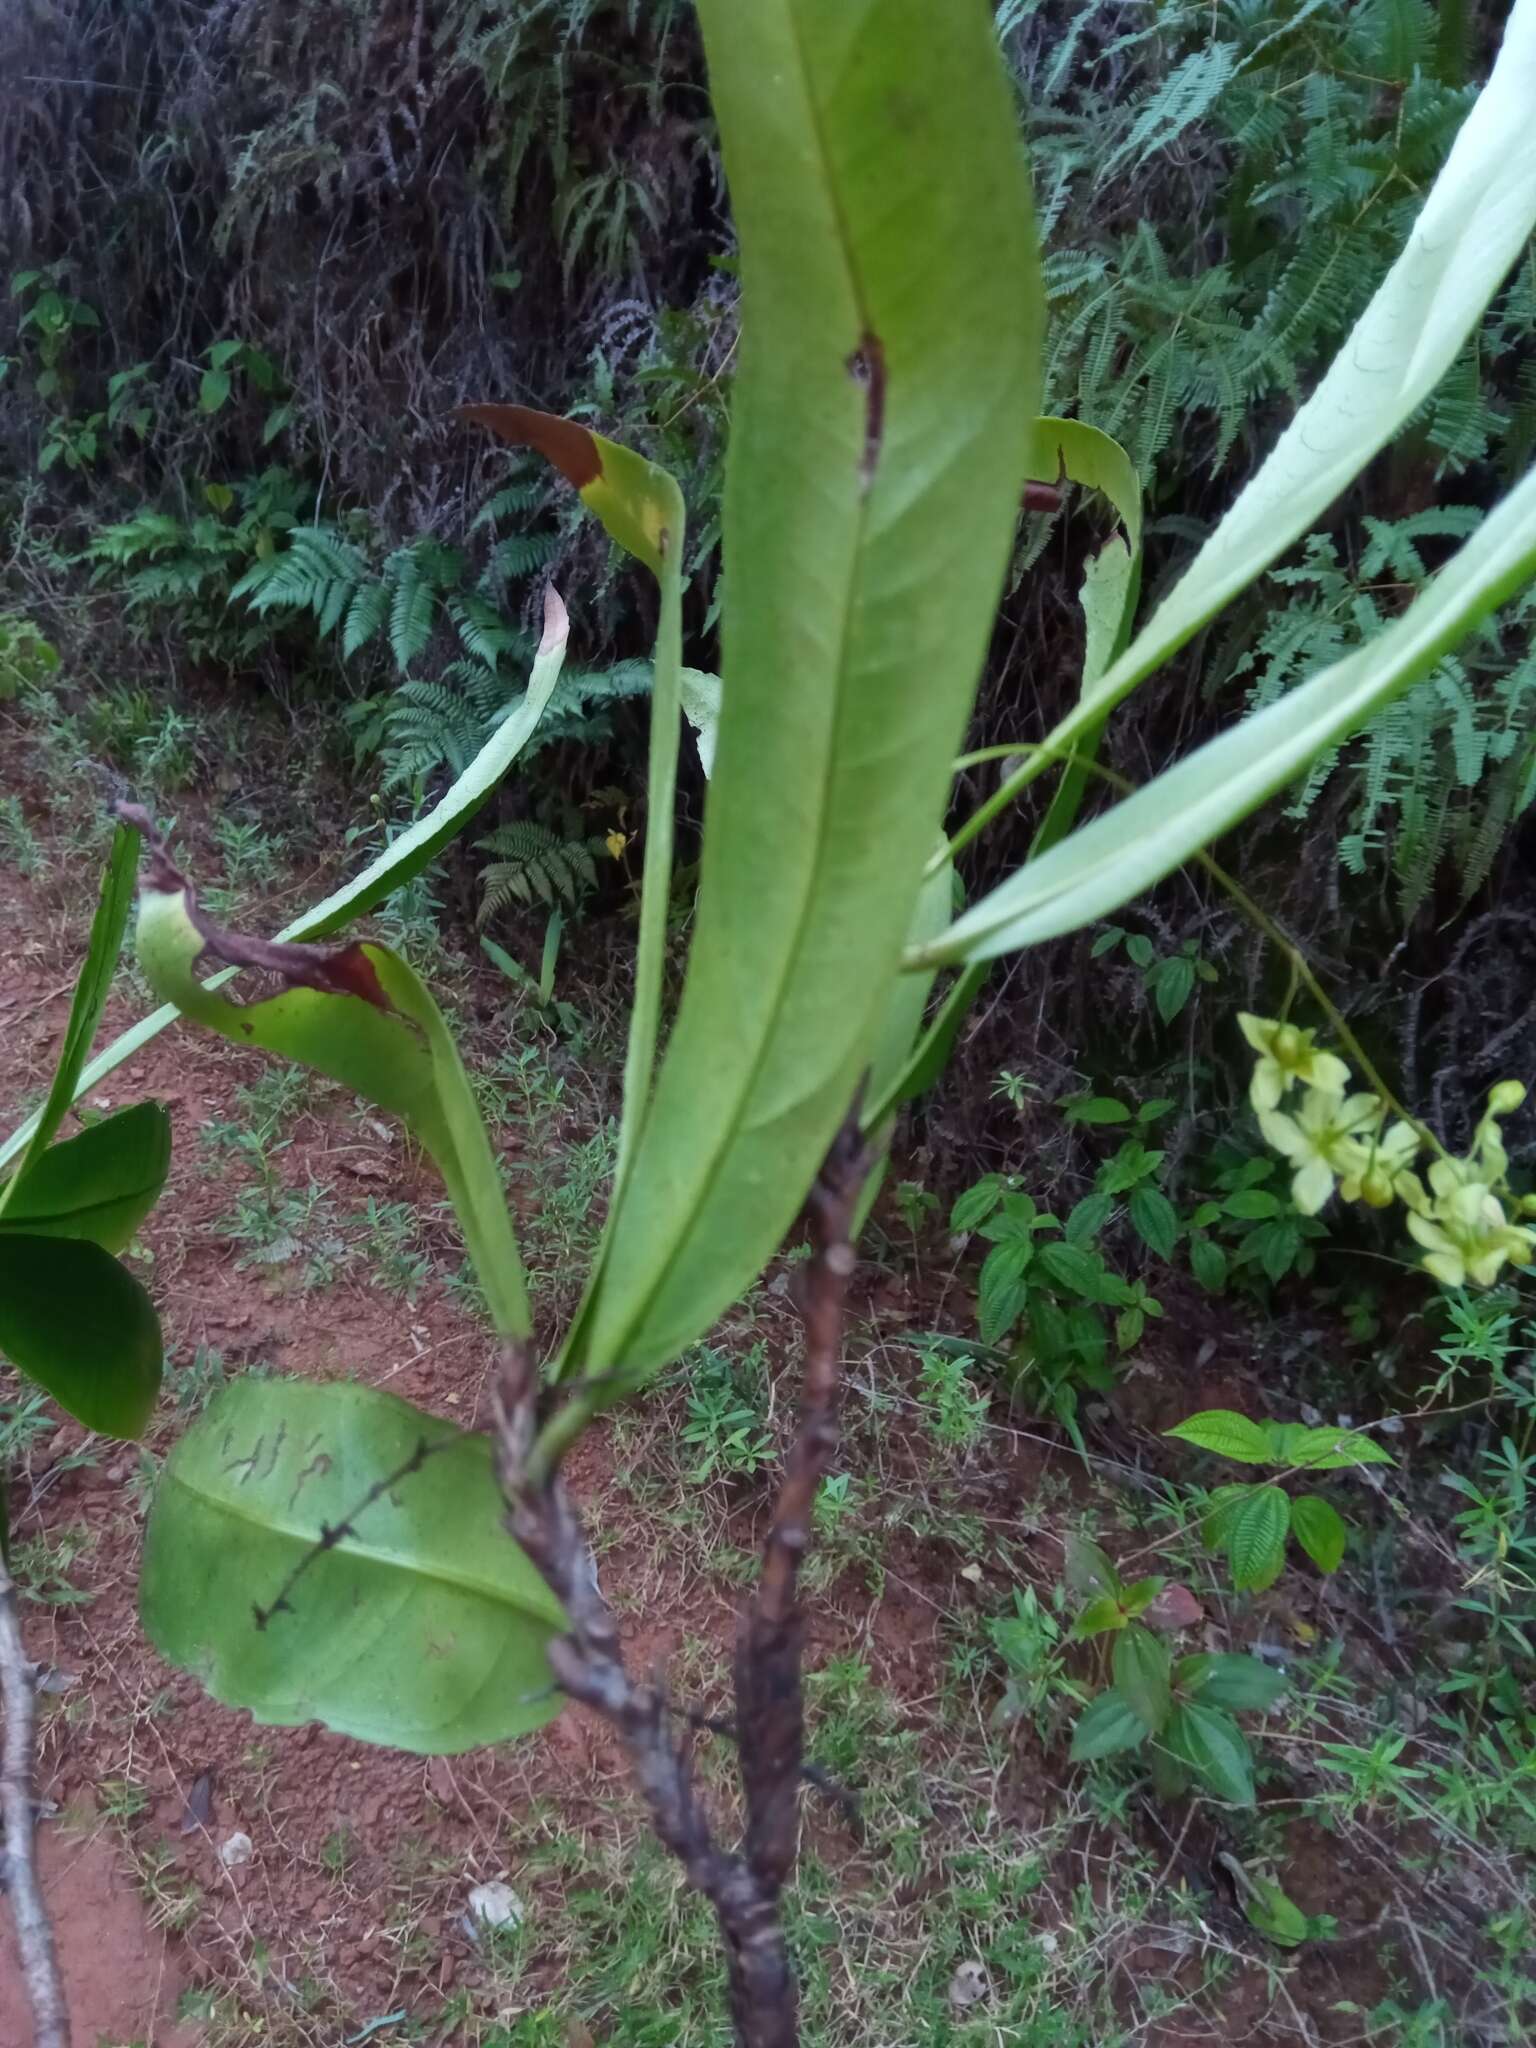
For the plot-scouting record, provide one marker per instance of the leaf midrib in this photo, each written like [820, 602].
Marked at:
[354, 1546]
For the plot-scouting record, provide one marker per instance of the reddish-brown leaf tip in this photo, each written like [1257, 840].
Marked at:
[565, 443]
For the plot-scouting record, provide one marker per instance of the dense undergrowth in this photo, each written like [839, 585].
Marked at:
[251, 268]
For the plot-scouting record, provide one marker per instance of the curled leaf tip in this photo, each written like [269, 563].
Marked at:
[557, 621]
[339, 970]
[565, 443]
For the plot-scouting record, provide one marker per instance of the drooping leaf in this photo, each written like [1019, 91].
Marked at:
[73, 1320]
[90, 999]
[1473, 225]
[1140, 840]
[1107, 1725]
[1213, 1746]
[1141, 1666]
[1320, 1530]
[423, 1626]
[100, 1184]
[878, 445]
[1227, 1433]
[365, 1020]
[405, 857]
[1227, 1680]
[1256, 1539]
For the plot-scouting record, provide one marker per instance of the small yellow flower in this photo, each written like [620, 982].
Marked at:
[616, 843]
[1467, 1237]
[1287, 1054]
[1328, 1139]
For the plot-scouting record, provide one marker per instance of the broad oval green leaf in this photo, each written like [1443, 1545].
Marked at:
[1227, 1433]
[424, 1627]
[1320, 1530]
[1213, 1746]
[1323, 1449]
[1107, 1726]
[387, 1041]
[1228, 1680]
[878, 446]
[100, 1184]
[73, 1320]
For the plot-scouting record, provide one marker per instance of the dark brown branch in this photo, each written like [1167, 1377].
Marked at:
[744, 1888]
[770, 1642]
[29, 1911]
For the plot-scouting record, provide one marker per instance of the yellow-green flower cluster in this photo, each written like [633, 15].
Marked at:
[1333, 1139]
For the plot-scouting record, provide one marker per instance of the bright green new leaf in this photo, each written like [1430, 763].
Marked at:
[1139, 841]
[1102, 1613]
[90, 999]
[1227, 1433]
[74, 1321]
[878, 447]
[424, 1626]
[1142, 1675]
[1273, 1914]
[1256, 1539]
[100, 1184]
[1212, 1745]
[1107, 1725]
[391, 870]
[1228, 1680]
[373, 1026]
[1472, 227]
[1320, 1530]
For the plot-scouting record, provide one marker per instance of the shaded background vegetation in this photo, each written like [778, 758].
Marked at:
[259, 253]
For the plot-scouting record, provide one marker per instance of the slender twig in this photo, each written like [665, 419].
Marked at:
[744, 1886]
[332, 1533]
[29, 1911]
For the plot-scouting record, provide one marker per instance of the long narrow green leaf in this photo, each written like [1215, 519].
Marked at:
[1144, 838]
[90, 999]
[1477, 218]
[410, 853]
[641, 508]
[421, 1624]
[888, 381]
[391, 870]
